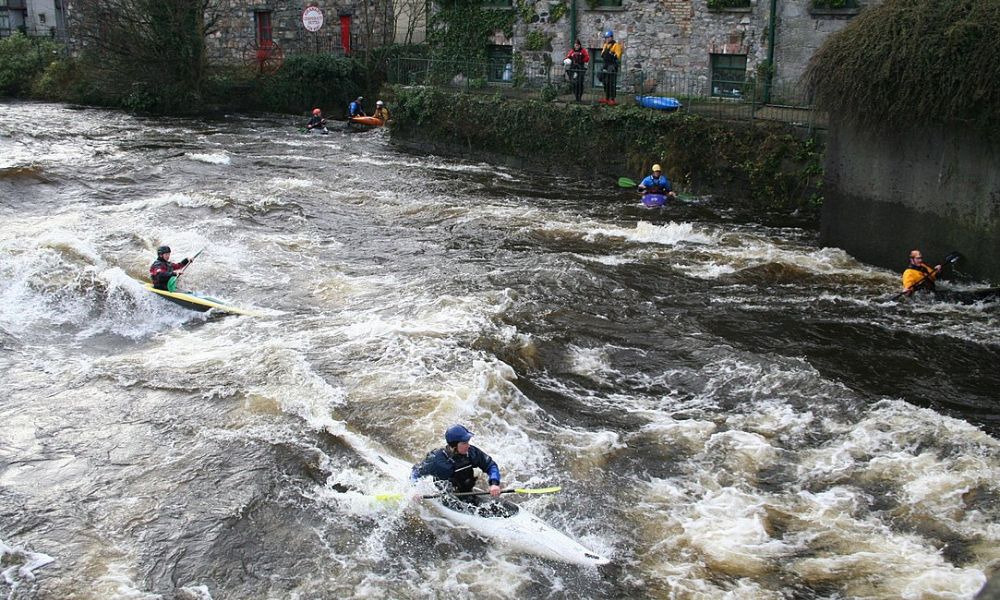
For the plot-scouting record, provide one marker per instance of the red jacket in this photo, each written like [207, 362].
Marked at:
[580, 59]
[161, 271]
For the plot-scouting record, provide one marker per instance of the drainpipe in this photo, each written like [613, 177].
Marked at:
[771, 26]
[572, 22]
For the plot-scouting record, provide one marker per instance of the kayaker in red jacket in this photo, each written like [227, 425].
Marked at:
[162, 270]
[576, 68]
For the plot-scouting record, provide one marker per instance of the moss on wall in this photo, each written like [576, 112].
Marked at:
[767, 166]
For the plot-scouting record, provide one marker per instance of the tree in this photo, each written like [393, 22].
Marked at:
[146, 54]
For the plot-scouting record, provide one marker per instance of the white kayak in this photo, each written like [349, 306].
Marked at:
[502, 521]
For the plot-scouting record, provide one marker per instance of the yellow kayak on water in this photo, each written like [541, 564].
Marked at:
[198, 302]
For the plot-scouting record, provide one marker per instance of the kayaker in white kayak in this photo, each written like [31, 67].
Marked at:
[163, 273]
[456, 463]
[657, 183]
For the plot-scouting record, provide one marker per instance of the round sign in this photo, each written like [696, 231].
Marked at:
[312, 18]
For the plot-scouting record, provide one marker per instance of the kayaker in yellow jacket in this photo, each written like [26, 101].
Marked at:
[919, 276]
[611, 60]
[381, 112]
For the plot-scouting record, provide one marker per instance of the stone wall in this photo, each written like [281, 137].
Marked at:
[933, 189]
[235, 35]
[677, 36]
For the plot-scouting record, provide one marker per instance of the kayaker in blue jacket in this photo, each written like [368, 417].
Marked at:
[657, 183]
[355, 109]
[456, 463]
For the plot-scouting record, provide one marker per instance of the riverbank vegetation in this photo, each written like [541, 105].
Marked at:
[769, 166]
[913, 62]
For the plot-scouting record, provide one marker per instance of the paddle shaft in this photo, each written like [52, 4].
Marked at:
[184, 270]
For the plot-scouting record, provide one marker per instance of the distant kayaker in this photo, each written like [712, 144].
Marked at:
[455, 463]
[576, 68]
[163, 273]
[317, 121]
[657, 183]
[355, 108]
[381, 112]
[919, 276]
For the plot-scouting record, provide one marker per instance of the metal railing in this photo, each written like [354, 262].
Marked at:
[743, 100]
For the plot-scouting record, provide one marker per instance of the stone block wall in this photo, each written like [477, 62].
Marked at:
[235, 32]
[679, 36]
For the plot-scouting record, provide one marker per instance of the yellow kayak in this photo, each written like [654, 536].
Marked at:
[198, 302]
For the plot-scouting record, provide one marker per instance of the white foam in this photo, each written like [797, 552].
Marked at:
[212, 158]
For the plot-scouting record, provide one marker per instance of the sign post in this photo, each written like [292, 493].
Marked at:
[312, 20]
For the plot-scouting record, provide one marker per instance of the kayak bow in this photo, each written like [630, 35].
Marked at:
[195, 301]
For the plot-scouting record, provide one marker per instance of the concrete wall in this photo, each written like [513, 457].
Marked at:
[933, 189]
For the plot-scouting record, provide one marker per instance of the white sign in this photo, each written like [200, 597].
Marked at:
[312, 18]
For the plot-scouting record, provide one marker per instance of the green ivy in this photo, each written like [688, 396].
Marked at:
[834, 4]
[557, 12]
[535, 40]
[764, 165]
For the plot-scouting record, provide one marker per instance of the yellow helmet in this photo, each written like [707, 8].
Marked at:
[657, 168]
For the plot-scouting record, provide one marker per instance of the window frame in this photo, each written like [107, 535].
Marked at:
[735, 84]
[263, 29]
[498, 56]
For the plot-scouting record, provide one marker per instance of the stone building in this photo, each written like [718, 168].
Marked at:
[692, 42]
[33, 17]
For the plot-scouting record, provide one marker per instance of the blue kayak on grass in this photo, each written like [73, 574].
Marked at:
[659, 102]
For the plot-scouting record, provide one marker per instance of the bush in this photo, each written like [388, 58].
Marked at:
[22, 60]
[909, 62]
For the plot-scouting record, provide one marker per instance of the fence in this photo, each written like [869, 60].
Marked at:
[720, 97]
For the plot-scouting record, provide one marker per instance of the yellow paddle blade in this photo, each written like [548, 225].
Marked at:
[388, 497]
[548, 490]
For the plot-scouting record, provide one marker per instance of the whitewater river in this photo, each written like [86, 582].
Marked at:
[729, 409]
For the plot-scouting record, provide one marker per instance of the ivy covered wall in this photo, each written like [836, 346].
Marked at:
[767, 166]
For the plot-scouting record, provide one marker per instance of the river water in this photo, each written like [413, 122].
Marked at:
[728, 407]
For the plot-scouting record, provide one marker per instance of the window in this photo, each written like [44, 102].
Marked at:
[598, 4]
[4, 20]
[262, 22]
[729, 73]
[500, 63]
[41, 18]
[498, 3]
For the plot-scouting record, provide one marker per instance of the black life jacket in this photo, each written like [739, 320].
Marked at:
[464, 478]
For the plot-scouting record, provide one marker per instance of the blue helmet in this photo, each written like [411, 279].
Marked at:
[456, 434]
[609, 34]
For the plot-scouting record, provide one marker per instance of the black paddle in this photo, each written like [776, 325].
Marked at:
[949, 260]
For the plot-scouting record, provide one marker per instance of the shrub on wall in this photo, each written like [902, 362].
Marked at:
[767, 166]
[909, 62]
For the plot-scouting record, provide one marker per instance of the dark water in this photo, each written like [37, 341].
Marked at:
[729, 408]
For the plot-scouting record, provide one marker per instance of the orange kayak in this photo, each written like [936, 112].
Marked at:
[367, 121]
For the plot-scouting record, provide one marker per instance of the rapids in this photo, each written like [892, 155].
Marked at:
[730, 409]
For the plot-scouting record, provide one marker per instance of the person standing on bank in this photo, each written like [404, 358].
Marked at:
[611, 58]
[164, 273]
[657, 183]
[578, 58]
[455, 463]
[919, 276]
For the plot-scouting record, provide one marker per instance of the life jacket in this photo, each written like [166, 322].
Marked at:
[160, 272]
[577, 57]
[926, 280]
[464, 478]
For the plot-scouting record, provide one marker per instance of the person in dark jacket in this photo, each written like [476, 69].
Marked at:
[578, 58]
[316, 122]
[164, 273]
[657, 183]
[456, 463]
